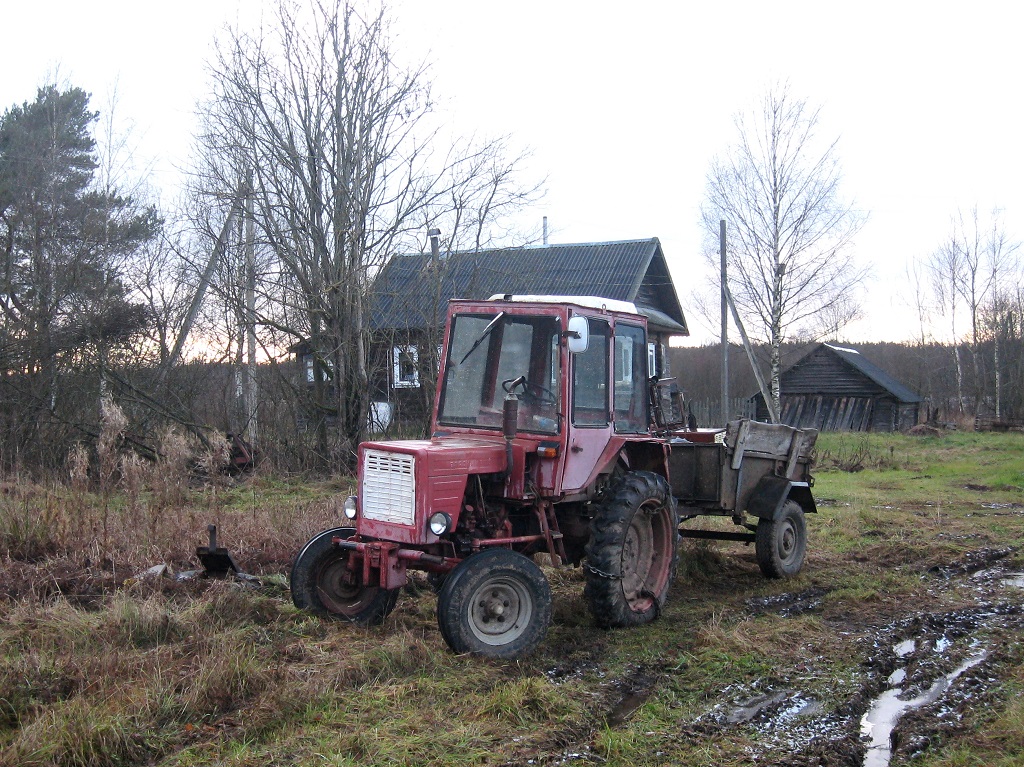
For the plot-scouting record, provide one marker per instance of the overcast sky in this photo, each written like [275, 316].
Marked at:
[624, 105]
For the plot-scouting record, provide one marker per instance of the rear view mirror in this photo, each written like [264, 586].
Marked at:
[578, 334]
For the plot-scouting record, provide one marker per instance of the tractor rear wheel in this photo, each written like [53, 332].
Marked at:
[496, 603]
[631, 556]
[323, 583]
[780, 544]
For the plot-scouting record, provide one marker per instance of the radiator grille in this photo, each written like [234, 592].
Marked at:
[389, 487]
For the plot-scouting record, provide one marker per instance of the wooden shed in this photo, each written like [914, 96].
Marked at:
[834, 388]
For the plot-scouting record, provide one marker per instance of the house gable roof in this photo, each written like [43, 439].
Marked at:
[412, 291]
[852, 359]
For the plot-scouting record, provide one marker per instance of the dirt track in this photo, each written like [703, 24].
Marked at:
[922, 674]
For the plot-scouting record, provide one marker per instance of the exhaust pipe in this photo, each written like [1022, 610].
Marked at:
[510, 421]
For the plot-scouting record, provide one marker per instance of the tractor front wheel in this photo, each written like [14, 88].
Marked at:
[323, 583]
[631, 555]
[496, 603]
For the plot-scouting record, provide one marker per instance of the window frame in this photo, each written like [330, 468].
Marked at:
[397, 380]
[637, 381]
[606, 410]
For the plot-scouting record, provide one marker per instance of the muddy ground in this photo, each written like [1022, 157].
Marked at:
[924, 675]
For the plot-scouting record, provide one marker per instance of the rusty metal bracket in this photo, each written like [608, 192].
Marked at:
[216, 560]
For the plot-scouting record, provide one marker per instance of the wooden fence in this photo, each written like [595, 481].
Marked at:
[708, 412]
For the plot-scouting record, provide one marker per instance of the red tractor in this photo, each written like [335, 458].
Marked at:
[549, 435]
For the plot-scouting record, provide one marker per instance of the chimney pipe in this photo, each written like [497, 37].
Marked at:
[545, 231]
[435, 248]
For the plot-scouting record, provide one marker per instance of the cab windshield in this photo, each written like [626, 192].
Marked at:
[486, 355]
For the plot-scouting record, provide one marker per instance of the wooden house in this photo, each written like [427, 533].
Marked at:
[834, 388]
[411, 293]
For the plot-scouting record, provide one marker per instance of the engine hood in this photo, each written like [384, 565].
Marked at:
[449, 455]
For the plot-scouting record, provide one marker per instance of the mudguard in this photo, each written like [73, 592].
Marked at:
[771, 493]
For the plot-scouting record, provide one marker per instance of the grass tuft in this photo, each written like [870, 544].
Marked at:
[82, 733]
[700, 560]
[142, 623]
[527, 701]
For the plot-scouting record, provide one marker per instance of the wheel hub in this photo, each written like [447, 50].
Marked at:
[493, 606]
[341, 590]
[644, 567]
[787, 542]
[499, 611]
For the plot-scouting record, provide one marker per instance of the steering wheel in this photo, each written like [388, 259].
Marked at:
[533, 394]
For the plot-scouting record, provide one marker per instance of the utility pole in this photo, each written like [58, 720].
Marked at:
[250, 312]
[727, 306]
[204, 282]
[773, 412]
[725, 325]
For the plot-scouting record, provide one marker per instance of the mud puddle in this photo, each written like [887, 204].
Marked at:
[779, 718]
[973, 562]
[883, 716]
[1015, 581]
[923, 675]
[921, 679]
[788, 605]
[939, 663]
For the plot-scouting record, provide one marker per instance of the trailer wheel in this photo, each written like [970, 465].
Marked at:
[323, 584]
[496, 603]
[780, 544]
[631, 556]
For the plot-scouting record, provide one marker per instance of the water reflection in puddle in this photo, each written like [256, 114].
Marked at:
[897, 676]
[905, 648]
[880, 720]
[1016, 581]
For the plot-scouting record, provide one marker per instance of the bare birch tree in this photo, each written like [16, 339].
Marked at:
[789, 229]
[970, 271]
[947, 268]
[998, 319]
[346, 165]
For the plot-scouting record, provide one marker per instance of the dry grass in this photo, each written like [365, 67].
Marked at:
[103, 668]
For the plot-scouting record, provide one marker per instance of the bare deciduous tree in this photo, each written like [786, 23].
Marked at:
[346, 166]
[789, 229]
[971, 271]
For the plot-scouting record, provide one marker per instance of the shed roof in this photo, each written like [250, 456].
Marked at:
[857, 361]
[412, 291]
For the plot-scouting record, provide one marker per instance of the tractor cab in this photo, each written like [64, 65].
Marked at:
[564, 379]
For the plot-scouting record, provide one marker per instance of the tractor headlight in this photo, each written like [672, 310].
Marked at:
[440, 523]
[350, 507]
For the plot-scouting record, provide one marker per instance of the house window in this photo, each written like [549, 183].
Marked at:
[623, 359]
[404, 366]
[309, 364]
[652, 358]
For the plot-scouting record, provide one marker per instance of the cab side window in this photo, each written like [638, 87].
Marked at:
[630, 379]
[590, 379]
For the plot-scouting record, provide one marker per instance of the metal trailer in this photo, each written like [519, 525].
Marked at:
[748, 469]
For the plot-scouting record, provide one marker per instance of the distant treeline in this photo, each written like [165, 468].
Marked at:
[931, 370]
